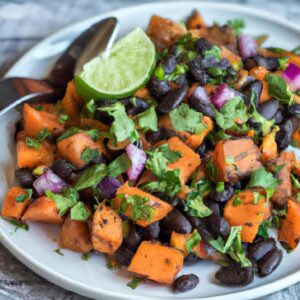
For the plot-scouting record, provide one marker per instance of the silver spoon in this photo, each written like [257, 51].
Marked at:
[95, 40]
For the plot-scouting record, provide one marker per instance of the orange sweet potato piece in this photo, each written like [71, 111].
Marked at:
[164, 32]
[268, 147]
[161, 208]
[72, 147]
[35, 121]
[11, 208]
[43, 210]
[246, 214]
[260, 73]
[28, 157]
[296, 137]
[195, 21]
[289, 231]
[178, 241]
[72, 104]
[236, 159]
[189, 161]
[284, 189]
[75, 236]
[106, 230]
[156, 262]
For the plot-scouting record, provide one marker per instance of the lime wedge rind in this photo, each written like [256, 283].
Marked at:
[128, 67]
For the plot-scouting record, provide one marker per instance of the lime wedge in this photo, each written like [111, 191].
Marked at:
[127, 68]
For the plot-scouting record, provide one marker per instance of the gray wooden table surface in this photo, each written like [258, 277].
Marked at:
[22, 24]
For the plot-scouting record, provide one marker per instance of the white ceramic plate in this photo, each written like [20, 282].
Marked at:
[92, 278]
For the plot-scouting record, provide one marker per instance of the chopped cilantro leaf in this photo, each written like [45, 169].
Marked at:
[58, 251]
[232, 110]
[237, 25]
[63, 118]
[184, 118]
[39, 107]
[91, 176]
[195, 206]
[79, 212]
[118, 166]
[85, 256]
[89, 154]
[17, 223]
[25, 196]
[296, 182]
[123, 127]
[135, 282]
[160, 157]
[279, 89]
[94, 134]
[237, 200]
[256, 197]
[263, 229]
[282, 61]
[43, 134]
[214, 51]
[139, 206]
[180, 69]
[71, 131]
[32, 143]
[147, 120]
[193, 241]
[262, 178]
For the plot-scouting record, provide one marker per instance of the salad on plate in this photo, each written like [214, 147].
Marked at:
[181, 145]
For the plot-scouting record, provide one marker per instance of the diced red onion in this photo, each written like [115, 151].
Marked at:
[138, 159]
[222, 94]
[109, 187]
[200, 94]
[292, 76]
[49, 181]
[247, 46]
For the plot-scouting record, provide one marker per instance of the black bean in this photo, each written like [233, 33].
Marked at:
[182, 80]
[234, 275]
[295, 122]
[133, 240]
[169, 64]
[195, 222]
[176, 221]
[250, 63]
[225, 65]
[217, 226]
[202, 150]
[202, 45]
[284, 135]
[158, 88]
[124, 256]
[159, 135]
[25, 178]
[62, 168]
[214, 206]
[136, 106]
[103, 116]
[172, 99]
[197, 70]
[255, 87]
[209, 61]
[270, 63]
[294, 109]
[185, 283]
[204, 231]
[224, 195]
[269, 262]
[268, 109]
[259, 249]
[278, 118]
[151, 232]
[201, 106]
[191, 258]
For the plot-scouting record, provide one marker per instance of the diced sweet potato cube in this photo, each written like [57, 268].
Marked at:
[289, 231]
[244, 212]
[164, 32]
[189, 161]
[106, 230]
[75, 236]
[236, 159]
[156, 262]
[71, 148]
[35, 121]
[43, 210]
[161, 208]
[11, 208]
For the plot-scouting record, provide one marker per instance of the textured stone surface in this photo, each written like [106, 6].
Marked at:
[23, 24]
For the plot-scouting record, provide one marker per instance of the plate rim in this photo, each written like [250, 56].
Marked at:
[90, 291]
